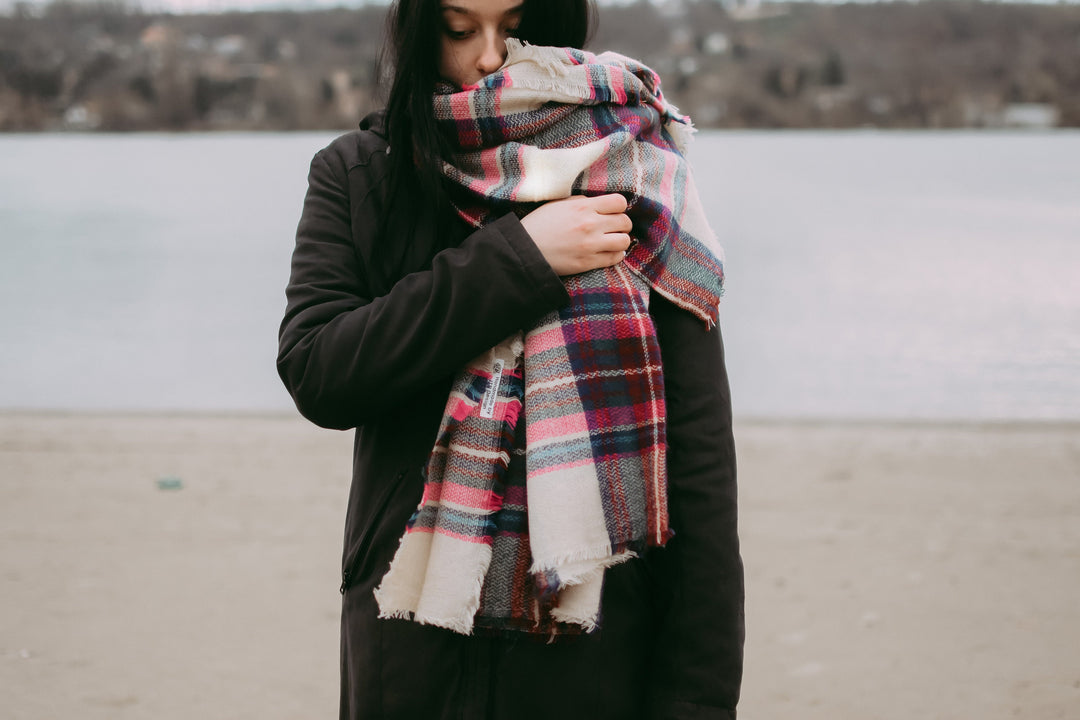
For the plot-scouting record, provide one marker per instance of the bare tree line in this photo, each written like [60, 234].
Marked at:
[108, 66]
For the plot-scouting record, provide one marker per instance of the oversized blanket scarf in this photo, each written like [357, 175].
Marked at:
[549, 465]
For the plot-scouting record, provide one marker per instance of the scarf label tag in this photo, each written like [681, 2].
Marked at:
[487, 406]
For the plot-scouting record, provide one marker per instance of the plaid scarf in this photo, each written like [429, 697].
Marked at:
[550, 462]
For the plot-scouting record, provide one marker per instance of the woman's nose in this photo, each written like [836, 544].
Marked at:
[493, 54]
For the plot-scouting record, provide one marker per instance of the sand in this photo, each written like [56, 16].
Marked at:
[894, 570]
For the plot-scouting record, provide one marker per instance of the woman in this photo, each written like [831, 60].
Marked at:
[391, 295]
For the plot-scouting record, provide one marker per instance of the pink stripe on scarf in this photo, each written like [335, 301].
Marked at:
[557, 427]
[461, 495]
[538, 342]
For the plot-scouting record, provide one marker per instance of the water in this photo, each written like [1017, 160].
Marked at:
[877, 275]
[901, 274]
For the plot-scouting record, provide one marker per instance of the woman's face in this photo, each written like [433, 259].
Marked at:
[473, 40]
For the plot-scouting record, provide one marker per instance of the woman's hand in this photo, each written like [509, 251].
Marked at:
[581, 233]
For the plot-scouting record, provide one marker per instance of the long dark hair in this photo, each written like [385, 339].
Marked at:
[414, 30]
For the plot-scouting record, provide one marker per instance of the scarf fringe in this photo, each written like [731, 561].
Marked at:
[603, 558]
[462, 621]
[588, 624]
[397, 601]
[710, 318]
[681, 129]
[518, 51]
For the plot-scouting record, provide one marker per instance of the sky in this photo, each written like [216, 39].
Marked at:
[226, 5]
[197, 6]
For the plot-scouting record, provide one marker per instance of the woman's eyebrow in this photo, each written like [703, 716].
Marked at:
[516, 10]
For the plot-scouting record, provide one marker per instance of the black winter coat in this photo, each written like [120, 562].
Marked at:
[374, 353]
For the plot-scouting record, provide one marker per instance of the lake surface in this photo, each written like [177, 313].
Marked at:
[870, 274]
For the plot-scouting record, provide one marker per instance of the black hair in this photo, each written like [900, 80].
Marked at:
[414, 30]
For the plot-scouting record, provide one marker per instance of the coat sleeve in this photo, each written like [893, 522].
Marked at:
[347, 357]
[700, 574]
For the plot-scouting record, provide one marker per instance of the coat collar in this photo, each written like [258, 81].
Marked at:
[376, 122]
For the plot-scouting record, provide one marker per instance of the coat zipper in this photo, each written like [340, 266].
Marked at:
[365, 535]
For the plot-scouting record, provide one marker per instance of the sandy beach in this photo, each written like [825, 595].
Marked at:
[184, 566]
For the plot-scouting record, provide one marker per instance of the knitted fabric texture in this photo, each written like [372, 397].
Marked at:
[550, 461]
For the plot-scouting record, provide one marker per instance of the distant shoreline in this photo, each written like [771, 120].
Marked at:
[739, 64]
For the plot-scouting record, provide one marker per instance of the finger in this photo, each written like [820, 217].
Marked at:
[614, 258]
[615, 223]
[611, 204]
[615, 242]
